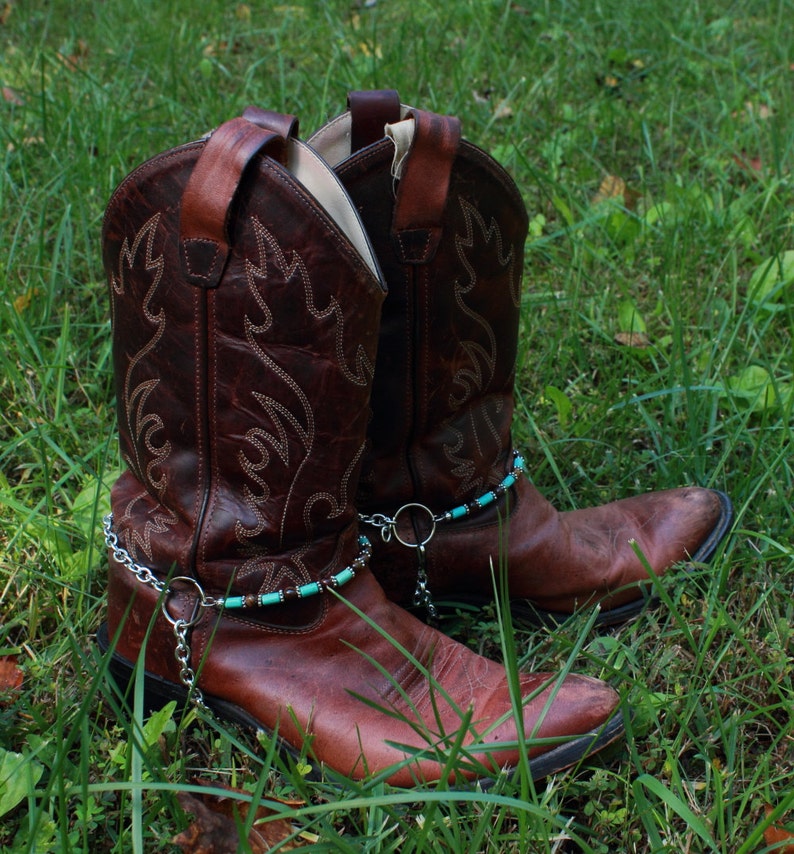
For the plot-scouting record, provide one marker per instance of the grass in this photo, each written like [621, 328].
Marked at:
[690, 106]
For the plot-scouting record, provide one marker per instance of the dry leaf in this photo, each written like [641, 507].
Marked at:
[775, 835]
[10, 679]
[209, 832]
[503, 110]
[11, 96]
[633, 339]
[5, 12]
[612, 187]
[761, 111]
[20, 304]
[79, 58]
[751, 164]
[214, 828]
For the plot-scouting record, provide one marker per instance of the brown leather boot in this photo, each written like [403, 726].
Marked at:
[442, 488]
[245, 307]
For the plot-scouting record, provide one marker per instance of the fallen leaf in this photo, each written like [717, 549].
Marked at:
[22, 302]
[10, 679]
[633, 339]
[209, 832]
[216, 818]
[11, 96]
[78, 59]
[751, 164]
[503, 110]
[612, 187]
[5, 12]
[776, 835]
[761, 111]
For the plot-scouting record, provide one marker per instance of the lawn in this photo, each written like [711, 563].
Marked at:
[654, 147]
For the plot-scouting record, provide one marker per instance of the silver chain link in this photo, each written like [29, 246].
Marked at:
[388, 527]
[122, 556]
[180, 626]
[182, 655]
[385, 524]
[423, 598]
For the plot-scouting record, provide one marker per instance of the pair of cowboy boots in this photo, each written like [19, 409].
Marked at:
[305, 355]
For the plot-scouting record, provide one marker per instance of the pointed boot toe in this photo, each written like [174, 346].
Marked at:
[714, 510]
[601, 555]
[569, 719]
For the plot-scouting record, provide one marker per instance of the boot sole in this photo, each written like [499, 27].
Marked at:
[524, 611]
[158, 692]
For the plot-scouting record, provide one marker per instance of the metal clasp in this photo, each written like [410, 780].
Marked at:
[388, 527]
[181, 628]
[203, 602]
[394, 531]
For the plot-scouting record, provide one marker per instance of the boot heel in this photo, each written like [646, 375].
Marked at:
[157, 692]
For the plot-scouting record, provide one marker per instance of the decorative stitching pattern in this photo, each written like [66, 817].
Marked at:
[287, 425]
[156, 523]
[285, 422]
[474, 377]
[144, 426]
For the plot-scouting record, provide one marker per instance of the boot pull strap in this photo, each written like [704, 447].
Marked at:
[282, 123]
[424, 186]
[210, 192]
[370, 112]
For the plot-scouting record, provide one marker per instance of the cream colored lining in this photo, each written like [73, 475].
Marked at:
[402, 135]
[333, 141]
[314, 173]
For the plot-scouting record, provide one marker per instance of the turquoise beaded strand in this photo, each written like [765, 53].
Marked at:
[332, 582]
[489, 497]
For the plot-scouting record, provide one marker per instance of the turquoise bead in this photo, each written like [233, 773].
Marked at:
[344, 576]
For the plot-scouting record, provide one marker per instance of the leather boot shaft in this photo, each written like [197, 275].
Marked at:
[441, 483]
[449, 235]
[235, 474]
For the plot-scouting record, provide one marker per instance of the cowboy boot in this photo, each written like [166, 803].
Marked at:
[245, 308]
[442, 487]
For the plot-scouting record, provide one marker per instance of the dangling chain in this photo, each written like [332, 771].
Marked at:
[387, 525]
[181, 626]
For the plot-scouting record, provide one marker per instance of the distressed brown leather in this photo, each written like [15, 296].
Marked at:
[372, 110]
[420, 204]
[443, 405]
[209, 193]
[242, 414]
